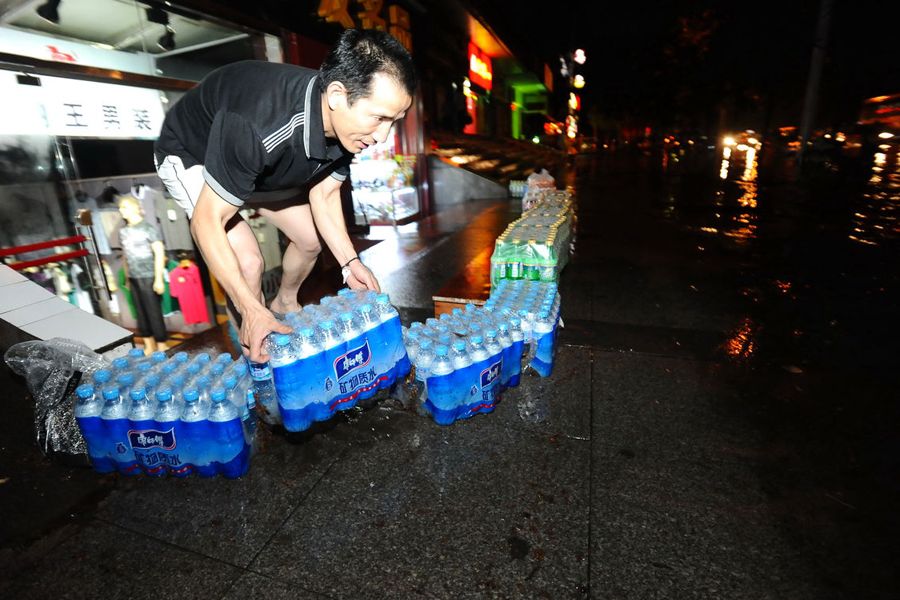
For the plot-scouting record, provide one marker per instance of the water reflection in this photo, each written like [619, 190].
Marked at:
[741, 342]
[740, 163]
[875, 218]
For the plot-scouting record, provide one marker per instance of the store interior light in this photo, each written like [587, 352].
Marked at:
[167, 40]
[49, 11]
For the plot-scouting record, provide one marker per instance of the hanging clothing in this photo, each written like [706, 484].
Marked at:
[97, 230]
[122, 279]
[188, 288]
[169, 304]
[81, 284]
[61, 283]
[173, 223]
[149, 314]
[146, 196]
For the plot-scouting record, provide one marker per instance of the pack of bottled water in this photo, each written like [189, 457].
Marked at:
[535, 246]
[465, 359]
[341, 351]
[168, 416]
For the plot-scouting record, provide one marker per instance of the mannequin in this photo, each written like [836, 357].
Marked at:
[145, 259]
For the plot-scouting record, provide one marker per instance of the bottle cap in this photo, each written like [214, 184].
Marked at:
[218, 394]
[158, 357]
[223, 358]
[307, 332]
[121, 363]
[346, 316]
[137, 393]
[181, 357]
[203, 358]
[136, 353]
[459, 345]
[191, 395]
[85, 390]
[152, 380]
[164, 394]
[144, 367]
[477, 339]
[364, 308]
[241, 369]
[101, 376]
[110, 393]
[230, 381]
[282, 339]
[125, 379]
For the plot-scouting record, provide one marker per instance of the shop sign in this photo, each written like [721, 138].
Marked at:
[73, 108]
[23, 43]
[371, 15]
[480, 71]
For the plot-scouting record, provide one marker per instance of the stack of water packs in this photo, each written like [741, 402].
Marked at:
[465, 359]
[168, 416]
[341, 351]
[535, 247]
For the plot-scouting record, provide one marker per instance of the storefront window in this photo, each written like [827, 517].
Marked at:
[76, 140]
[384, 187]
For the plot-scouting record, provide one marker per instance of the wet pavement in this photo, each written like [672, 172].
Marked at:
[721, 423]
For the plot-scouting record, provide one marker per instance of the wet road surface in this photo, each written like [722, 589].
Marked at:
[721, 423]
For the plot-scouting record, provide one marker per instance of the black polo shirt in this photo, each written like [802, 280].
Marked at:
[254, 126]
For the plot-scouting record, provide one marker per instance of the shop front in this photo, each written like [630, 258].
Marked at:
[86, 87]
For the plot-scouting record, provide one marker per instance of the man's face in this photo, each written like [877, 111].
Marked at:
[368, 120]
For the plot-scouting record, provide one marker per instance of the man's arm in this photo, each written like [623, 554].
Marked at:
[208, 222]
[325, 205]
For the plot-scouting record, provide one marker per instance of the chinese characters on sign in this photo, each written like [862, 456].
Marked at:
[61, 106]
[480, 71]
[398, 23]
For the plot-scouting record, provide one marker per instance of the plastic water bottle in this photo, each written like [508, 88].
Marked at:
[158, 358]
[88, 407]
[143, 436]
[264, 392]
[167, 415]
[510, 360]
[141, 370]
[223, 359]
[196, 434]
[390, 333]
[544, 334]
[518, 350]
[412, 344]
[116, 426]
[125, 380]
[287, 379]
[488, 369]
[358, 373]
[227, 436]
[423, 370]
[181, 358]
[370, 326]
[100, 378]
[121, 364]
[136, 355]
[442, 387]
[332, 348]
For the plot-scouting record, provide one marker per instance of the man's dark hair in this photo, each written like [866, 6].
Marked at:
[359, 54]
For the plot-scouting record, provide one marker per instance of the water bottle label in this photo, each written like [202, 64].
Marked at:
[490, 374]
[151, 438]
[353, 359]
[260, 372]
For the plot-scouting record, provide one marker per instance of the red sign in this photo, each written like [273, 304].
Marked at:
[480, 72]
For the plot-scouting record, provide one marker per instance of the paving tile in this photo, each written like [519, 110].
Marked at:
[555, 405]
[104, 561]
[229, 520]
[468, 512]
[251, 586]
[662, 407]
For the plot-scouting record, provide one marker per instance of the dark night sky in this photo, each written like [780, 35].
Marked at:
[757, 54]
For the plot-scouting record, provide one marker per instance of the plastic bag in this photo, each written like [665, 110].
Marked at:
[52, 370]
[535, 184]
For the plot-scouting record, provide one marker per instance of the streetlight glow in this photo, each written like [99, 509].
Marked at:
[579, 56]
[579, 82]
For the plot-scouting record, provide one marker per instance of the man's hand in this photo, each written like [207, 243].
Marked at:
[159, 287]
[361, 278]
[256, 324]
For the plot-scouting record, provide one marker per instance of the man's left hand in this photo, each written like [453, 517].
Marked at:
[159, 287]
[361, 278]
